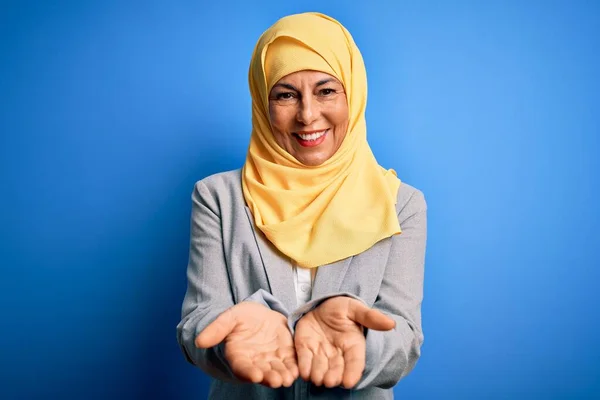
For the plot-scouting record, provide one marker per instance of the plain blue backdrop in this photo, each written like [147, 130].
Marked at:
[111, 110]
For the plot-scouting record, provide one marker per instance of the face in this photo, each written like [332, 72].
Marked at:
[309, 115]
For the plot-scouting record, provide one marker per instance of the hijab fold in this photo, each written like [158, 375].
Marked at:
[315, 215]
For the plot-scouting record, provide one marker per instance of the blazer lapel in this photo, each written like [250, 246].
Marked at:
[277, 267]
[329, 278]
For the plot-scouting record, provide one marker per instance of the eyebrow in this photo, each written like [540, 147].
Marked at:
[292, 87]
[287, 86]
[324, 81]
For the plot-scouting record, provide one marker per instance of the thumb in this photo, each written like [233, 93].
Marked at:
[216, 331]
[369, 317]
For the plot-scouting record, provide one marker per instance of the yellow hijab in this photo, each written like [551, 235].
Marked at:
[315, 215]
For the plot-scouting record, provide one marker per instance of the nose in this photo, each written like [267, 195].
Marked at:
[308, 111]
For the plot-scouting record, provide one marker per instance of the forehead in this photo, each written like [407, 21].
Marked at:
[308, 77]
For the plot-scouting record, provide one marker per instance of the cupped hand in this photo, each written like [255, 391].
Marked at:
[258, 344]
[330, 342]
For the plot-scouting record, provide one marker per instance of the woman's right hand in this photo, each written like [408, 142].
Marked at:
[258, 344]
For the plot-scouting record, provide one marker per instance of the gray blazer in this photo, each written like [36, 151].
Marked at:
[231, 261]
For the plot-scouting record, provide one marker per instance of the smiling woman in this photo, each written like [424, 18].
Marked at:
[305, 275]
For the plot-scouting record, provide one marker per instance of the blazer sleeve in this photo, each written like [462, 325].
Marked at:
[391, 355]
[208, 289]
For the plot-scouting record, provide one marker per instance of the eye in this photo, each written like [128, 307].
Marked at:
[284, 96]
[326, 92]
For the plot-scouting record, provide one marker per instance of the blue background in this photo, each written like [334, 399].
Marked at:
[110, 111]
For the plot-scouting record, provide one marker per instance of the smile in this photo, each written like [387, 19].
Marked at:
[311, 136]
[311, 139]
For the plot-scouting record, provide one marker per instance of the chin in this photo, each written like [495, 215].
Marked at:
[314, 160]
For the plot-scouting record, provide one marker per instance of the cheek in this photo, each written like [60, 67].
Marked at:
[340, 117]
[279, 118]
[280, 125]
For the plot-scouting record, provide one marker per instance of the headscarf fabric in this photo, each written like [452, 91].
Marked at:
[315, 215]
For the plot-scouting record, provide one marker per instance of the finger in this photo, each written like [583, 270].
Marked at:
[370, 317]
[320, 365]
[334, 375]
[245, 369]
[354, 365]
[287, 357]
[305, 357]
[286, 376]
[292, 366]
[216, 331]
[269, 376]
[273, 379]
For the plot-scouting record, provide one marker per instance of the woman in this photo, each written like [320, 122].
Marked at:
[305, 275]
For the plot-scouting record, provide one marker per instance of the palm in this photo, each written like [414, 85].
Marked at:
[258, 345]
[330, 343]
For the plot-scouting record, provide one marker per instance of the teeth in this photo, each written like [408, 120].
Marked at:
[312, 136]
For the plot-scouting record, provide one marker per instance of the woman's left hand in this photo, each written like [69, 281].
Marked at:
[330, 342]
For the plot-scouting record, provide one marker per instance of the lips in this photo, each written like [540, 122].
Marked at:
[311, 138]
